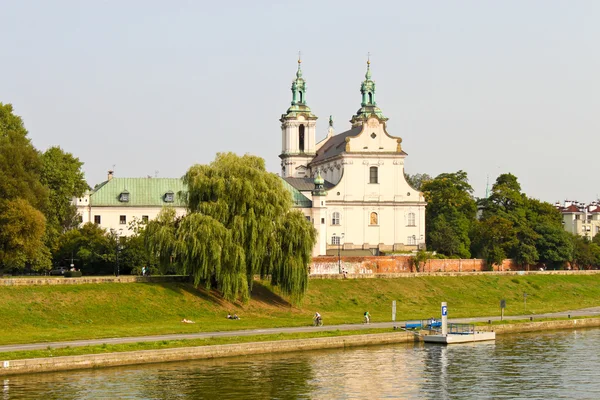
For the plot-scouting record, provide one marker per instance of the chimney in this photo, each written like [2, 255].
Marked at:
[110, 174]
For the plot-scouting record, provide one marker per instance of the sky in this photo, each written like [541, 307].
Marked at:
[150, 88]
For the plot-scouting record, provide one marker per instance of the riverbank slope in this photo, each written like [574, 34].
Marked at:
[67, 312]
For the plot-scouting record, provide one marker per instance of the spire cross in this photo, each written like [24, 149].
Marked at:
[369, 57]
[299, 57]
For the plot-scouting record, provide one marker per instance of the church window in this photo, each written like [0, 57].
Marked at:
[373, 220]
[411, 219]
[412, 240]
[301, 99]
[335, 240]
[370, 98]
[335, 218]
[122, 219]
[373, 175]
[301, 138]
[322, 220]
[97, 219]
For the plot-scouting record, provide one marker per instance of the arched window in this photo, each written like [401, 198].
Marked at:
[374, 219]
[301, 138]
[300, 93]
[373, 175]
[370, 98]
[411, 219]
[335, 218]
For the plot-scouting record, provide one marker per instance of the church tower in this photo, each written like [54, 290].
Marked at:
[368, 105]
[297, 132]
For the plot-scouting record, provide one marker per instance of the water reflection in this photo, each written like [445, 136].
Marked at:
[533, 366]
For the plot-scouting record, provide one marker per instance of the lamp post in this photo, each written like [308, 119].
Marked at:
[118, 234]
[340, 253]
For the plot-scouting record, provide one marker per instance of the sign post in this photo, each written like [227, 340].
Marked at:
[502, 307]
[444, 318]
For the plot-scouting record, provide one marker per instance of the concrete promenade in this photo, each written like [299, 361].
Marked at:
[586, 312]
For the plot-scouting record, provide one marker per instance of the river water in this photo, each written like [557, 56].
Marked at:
[541, 365]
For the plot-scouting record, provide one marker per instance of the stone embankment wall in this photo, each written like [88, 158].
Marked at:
[61, 280]
[34, 365]
[329, 265]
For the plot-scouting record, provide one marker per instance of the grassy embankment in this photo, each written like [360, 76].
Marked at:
[54, 313]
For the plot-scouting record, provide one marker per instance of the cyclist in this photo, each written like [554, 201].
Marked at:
[318, 319]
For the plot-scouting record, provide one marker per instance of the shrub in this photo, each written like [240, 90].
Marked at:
[72, 274]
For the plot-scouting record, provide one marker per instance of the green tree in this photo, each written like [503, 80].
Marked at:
[554, 244]
[62, 175]
[417, 180]
[492, 237]
[419, 260]
[583, 253]
[20, 162]
[134, 255]
[239, 223]
[508, 203]
[450, 213]
[23, 198]
[92, 249]
[21, 236]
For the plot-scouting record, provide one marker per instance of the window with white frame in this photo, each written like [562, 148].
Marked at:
[412, 240]
[335, 240]
[335, 218]
[411, 219]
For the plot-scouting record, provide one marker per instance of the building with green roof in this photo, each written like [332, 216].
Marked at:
[117, 202]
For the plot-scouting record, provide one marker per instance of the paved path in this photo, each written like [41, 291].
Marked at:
[585, 312]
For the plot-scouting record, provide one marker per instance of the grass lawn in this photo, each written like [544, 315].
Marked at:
[67, 312]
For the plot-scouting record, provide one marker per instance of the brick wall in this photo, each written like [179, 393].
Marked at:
[327, 265]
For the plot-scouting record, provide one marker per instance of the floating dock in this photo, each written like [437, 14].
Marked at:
[445, 333]
[459, 333]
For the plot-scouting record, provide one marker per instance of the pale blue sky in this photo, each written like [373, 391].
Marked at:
[483, 86]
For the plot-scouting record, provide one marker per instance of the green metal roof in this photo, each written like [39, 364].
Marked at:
[150, 192]
[298, 199]
[143, 192]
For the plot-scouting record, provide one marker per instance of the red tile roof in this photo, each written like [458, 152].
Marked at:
[571, 209]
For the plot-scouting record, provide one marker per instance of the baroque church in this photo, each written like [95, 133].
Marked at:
[350, 185]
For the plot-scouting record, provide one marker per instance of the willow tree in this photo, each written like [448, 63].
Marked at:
[239, 224]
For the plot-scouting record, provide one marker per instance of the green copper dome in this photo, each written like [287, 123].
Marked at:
[299, 106]
[368, 103]
[319, 179]
[319, 189]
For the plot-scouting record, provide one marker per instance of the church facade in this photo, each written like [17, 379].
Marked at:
[353, 182]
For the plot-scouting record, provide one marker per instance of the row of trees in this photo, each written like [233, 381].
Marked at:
[506, 224]
[36, 189]
[239, 224]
